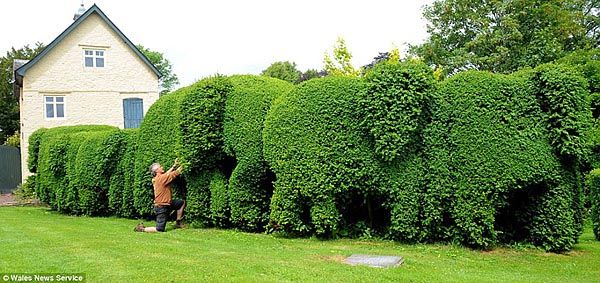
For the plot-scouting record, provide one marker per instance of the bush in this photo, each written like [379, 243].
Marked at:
[14, 140]
[250, 186]
[34, 149]
[313, 144]
[186, 124]
[57, 149]
[120, 193]
[395, 106]
[593, 183]
[159, 141]
[96, 161]
[500, 158]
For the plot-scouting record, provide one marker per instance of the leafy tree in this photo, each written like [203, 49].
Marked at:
[169, 80]
[503, 36]
[9, 106]
[340, 64]
[311, 74]
[283, 70]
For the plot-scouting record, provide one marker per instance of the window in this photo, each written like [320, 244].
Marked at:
[93, 58]
[55, 106]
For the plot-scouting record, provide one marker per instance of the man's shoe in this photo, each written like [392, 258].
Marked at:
[139, 228]
[179, 224]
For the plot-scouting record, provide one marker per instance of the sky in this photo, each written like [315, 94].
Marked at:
[202, 38]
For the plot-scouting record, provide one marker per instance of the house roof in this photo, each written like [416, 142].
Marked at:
[20, 72]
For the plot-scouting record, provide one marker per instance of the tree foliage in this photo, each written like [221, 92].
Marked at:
[9, 106]
[339, 64]
[169, 79]
[283, 70]
[503, 36]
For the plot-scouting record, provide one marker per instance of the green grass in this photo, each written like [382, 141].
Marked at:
[36, 240]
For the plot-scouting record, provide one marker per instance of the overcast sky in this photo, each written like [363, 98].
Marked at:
[202, 38]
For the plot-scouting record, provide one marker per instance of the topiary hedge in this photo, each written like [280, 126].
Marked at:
[57, 149]
[120, 193]
[313, 144]
[503, 152]
[185, 124]
[250, 187]
[593, 183]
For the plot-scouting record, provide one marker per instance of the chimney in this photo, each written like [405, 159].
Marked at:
[79, 12]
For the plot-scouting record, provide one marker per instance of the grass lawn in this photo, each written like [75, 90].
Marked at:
[37, 240]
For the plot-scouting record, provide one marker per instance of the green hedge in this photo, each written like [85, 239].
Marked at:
[250, 187]
[503, 154]
[159, 141]
[58, 149]
[313, 144]
[120, 192]
[34, 149]
[96, 161]
[185, 124]
[593, 183]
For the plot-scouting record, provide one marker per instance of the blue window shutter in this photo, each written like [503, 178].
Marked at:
[133, 112]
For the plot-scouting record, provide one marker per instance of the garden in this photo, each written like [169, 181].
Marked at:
[478, 159]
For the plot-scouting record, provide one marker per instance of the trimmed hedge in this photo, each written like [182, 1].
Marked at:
[478, 159]
[313, 144]
[250, 187]
[504, 153]
[56, 154]
[185, 124]
[593, 183]
[120, 192]
[159, 141]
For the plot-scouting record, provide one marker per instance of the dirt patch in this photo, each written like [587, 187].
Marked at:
[7, 199]
[336, 258]
[11, 200]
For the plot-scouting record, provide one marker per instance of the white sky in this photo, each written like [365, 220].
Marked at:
[201, 38]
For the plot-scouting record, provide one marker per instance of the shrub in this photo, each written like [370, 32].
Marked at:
[395, 106]
[250, 187]
[491, 150]
[593, 183]
[120, 193]
[186, 124]
[96, 161]
[159, 141]
[34, 149]
[313, 144]
[56, 152]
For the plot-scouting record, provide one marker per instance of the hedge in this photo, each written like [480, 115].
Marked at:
[504, 153]
[250, 184]
[120, 192]
[313, 145]
[56, 153]
[593, 183]
[185, 124]
[159, 141]
[478, 159]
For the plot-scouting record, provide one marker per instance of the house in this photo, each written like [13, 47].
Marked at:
[90, 74]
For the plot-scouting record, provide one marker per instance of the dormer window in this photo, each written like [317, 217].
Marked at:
[93, 58]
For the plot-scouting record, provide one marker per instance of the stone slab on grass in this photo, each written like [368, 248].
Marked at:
[374, 260]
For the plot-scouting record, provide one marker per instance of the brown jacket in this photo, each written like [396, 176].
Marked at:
[162, 188]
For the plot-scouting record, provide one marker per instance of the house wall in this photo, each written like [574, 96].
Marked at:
[92, 95]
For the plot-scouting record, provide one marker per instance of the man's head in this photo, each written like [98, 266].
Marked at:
[156, 168]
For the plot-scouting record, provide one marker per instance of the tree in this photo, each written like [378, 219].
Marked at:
[283, 70]
[503, 36]
[312, 74]
[169, 80]
[340, 64]
[9, 105]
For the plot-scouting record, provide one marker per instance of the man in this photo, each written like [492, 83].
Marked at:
[163, 204]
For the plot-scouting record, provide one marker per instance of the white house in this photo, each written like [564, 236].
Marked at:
[90, 74]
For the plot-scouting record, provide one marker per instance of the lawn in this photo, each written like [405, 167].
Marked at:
[37, 240]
